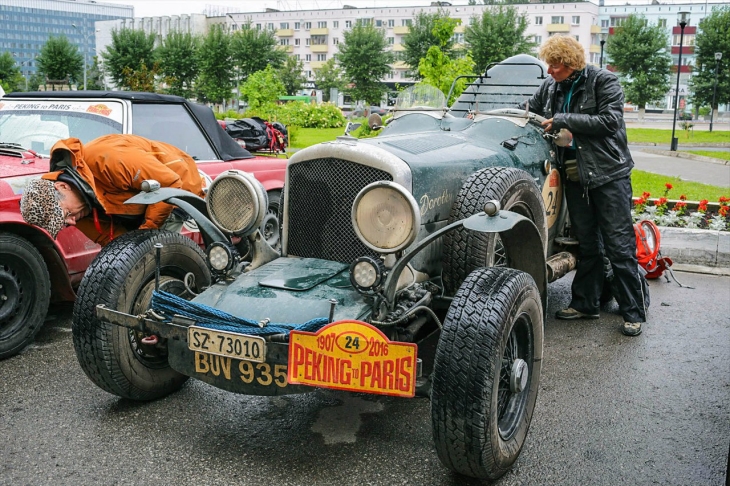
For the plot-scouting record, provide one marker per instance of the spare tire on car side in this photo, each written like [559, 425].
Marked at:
[464, 250]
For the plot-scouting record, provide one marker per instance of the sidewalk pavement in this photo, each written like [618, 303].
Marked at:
[696, 169]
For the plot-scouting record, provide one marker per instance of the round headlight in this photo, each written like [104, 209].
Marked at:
[237, 202]
[366, 273]
[220, 257]
[385, 216]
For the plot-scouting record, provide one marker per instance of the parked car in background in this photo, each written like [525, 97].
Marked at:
[34, 268]
[360, 111]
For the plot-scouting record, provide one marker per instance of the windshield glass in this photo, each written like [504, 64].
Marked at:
[420, 97]
[38, 126]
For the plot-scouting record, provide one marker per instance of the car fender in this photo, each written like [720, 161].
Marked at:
[520, 235]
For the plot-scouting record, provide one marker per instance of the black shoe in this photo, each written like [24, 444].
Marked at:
[570, 314]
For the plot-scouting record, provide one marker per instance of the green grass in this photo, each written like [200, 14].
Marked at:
[654, 184]
[655, 135]
[310, 136]
[306, 137]
[715, 154]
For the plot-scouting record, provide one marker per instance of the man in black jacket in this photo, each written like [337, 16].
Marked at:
[588, 104]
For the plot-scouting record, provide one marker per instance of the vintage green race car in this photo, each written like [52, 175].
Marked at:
[412, 263]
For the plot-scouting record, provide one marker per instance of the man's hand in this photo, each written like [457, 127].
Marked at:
[548, 124]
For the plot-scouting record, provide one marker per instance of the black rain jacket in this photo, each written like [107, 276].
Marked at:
[596, 120]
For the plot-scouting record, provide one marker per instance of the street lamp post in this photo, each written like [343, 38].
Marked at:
[86, 48]
[238, 78]
[26, 72]
[718, 56]
[683, 21]
[603, 41]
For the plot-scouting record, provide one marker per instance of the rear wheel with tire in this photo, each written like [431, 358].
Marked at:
[487, 372]
[464, 250]
[25, 291]
[122, 277]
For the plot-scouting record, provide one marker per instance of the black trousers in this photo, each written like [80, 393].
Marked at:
[601, 221]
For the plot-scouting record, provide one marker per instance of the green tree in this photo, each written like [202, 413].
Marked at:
[254, 49]
[130, 51]
[60, 59]
[291, 75]
[215, 82]
[640, 52]
[95, 76]
[713, 36]
[329, 76]
[437, 69]
[263, 87]
[11, 78]
[498, 34]
[421, 37]
[143, 79]
[365, 61]
[177, 60]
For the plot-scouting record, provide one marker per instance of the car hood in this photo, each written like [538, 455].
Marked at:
[17, 167]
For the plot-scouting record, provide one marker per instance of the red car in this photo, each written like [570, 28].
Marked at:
[34, 268]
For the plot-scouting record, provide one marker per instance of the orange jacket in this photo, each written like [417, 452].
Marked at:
[115, 165]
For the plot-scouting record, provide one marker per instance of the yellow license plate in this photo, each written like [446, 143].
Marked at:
[229, 344]
[353, 356]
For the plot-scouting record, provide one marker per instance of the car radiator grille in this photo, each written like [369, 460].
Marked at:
[321, 193]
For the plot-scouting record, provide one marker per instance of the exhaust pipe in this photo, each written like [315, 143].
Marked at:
[560, 264]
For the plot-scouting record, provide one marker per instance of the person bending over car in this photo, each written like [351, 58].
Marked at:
[88, 184]
[596, 167]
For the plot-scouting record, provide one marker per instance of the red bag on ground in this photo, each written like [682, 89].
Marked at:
[648, 241]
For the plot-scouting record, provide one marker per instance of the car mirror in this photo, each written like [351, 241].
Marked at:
[375, 122]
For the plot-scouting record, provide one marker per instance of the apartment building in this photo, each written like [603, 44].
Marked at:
[666, 16]
[312, 36]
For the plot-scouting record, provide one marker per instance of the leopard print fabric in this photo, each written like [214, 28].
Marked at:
[39, 206]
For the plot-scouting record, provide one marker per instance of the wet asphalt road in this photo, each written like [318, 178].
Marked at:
[611, 410]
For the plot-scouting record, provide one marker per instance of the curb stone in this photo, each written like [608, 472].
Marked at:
[720, 272]
[683, 144]
[685, 155]
[697, 250]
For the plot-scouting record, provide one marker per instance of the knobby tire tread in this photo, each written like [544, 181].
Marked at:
[464, 370]
[464, 250]
[103, 283]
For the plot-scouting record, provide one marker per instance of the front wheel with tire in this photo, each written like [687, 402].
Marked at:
[486, 372]
[25, 291]
[122, 277]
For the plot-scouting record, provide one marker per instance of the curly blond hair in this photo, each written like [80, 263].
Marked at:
[563, 49]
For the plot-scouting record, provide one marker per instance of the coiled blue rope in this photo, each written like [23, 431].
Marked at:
[208, 317]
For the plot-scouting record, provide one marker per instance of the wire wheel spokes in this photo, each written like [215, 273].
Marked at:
[500, 253]
[511, 403]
